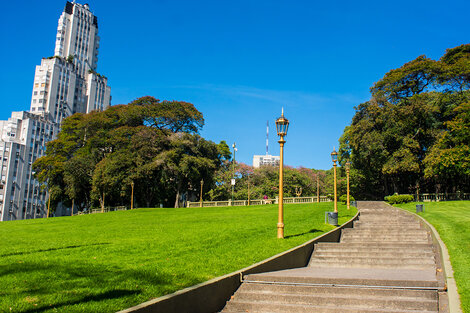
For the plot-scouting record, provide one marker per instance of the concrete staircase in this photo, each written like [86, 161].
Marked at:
[386, 263]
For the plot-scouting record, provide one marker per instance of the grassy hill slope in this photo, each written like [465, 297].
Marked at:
[107, 262]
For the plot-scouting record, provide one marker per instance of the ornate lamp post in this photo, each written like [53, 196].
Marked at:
[348, 167]
[282, 124]
[200, 198]
[334, 158]
[234, 146]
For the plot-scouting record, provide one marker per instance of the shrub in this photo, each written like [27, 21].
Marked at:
[343, 199]
[397, 199]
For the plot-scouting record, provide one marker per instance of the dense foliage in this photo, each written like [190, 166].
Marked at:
[413, 135]
[264, 181]
[398, 199]
[153, 144]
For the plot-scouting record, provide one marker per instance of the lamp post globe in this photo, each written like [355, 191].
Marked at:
[282, 125]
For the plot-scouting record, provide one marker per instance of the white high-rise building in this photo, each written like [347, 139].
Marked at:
[68, 82]
[64, 84]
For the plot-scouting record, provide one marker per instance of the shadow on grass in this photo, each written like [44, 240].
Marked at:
[76, 281]
[108, 295]
[52, 249]
[311, 231]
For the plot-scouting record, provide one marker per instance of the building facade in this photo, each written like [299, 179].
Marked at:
[64, 84]
[266, 160]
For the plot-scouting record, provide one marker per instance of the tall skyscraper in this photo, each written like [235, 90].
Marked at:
[64, 84]
[68, 82]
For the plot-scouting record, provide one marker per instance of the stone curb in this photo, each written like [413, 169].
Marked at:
[211, 296]
[453, 295]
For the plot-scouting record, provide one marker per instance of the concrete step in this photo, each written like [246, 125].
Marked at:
[392, 225]
[386, 215]
[343, 291]
[372, 254]
[365, 301]
[384, 221]
[396, 266]
[387, 224]
[270, 307]
[376, 251]
[372, 245]
[397, 234]
[384, 238]
[375, 260]
[362, 223]
[374, 240]
[388, 231]
[404, 278]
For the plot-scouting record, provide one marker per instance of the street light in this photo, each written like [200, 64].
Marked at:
[282, 124]
[200, 199]
[234, 146]
[334, 158]
[348, 167]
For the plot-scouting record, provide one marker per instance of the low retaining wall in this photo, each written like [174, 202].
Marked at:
[212, 295]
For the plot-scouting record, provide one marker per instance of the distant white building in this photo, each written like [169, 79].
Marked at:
[64, 84]
[23, 138]
[265, 160]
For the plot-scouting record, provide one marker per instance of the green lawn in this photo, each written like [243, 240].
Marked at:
[452, 220]
[111, 261]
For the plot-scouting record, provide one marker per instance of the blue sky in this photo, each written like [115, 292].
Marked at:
[239, 62]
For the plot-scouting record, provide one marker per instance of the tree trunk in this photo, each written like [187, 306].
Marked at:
[177, 203]
[177, 200]
[102, 202]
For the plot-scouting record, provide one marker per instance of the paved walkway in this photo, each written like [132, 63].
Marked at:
[386, 263]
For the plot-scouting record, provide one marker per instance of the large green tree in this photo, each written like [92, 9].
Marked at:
[151, 143]
[405, 138]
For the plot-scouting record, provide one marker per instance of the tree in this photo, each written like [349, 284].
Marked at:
[449, 158]
[189, 159]
[152, 143]
[400, 140]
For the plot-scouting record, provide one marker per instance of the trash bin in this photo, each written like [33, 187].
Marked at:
[332, 218]
[419, 208]
[353, 203]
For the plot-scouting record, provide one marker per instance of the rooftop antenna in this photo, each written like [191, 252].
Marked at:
[267, 136]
